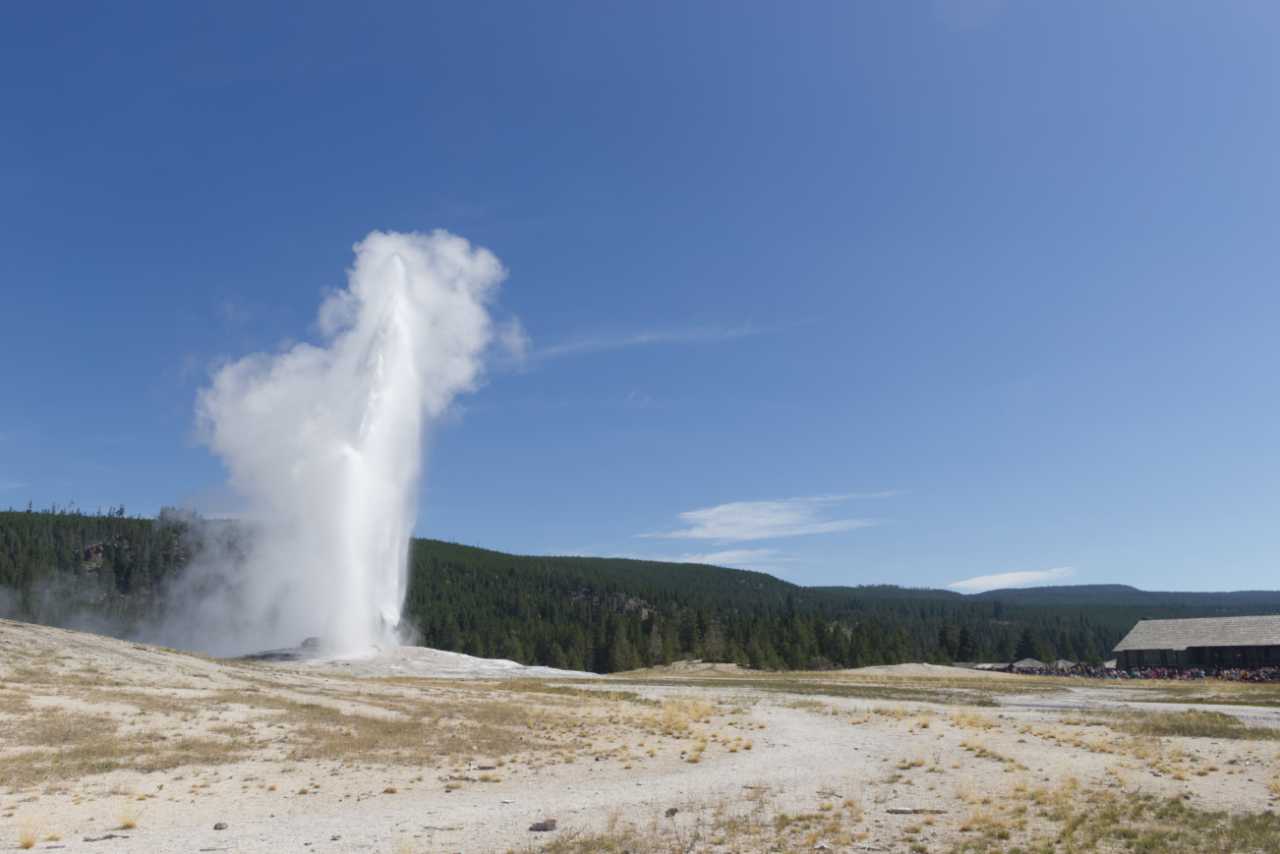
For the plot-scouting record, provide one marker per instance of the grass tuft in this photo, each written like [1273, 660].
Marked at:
[128, 818]
[1194, 723]
[28, 835]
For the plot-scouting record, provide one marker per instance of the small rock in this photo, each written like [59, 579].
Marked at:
[543, 826]
[671, 812]
[222, 825]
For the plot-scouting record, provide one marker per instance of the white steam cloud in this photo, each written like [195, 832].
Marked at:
[325, 445]
[1002, 580]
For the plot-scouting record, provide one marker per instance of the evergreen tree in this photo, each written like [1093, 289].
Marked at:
[1026, 646]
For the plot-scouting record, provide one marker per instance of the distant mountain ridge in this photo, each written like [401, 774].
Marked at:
[1126, 594]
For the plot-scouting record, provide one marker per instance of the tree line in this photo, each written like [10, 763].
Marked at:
[599, 614]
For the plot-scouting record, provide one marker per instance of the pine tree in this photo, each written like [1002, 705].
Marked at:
[1026, 646]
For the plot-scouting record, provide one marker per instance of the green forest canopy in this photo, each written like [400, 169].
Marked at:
[108, 571]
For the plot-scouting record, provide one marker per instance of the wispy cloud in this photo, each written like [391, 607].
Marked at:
[738, 558]
[637, 399]
[766, 560]
[602, 342]
[767, 520]
[234, 312]
[1001, 580]
[11, 484]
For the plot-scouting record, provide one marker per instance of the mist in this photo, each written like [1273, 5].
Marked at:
[324, 444]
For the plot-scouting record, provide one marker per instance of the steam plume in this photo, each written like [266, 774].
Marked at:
[325, 444]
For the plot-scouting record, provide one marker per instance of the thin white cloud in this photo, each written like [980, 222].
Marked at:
[1002, 580]
[737, 558]
[11, 484]
[767, 520]
[513, 340]
[602, 342]
[234, 312]
[764, 560]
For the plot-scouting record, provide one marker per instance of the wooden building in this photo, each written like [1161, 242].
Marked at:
[1205, 642]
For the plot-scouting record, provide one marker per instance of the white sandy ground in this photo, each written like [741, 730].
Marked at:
[422, 662]
[804, 751]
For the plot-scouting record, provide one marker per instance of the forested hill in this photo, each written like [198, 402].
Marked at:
[108, 572]
[1124, 595]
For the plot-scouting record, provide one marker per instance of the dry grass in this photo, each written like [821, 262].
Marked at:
[1160, 755]
[52, 727]
[964, 719]
[982, 751]
[58, 745]
[1193, 723]
[128, 817]
[28, 834]
[590, 694]
[679, 715]
[753, 825]
[1211, 691]
[260, 713]
[1073, 818]
[961, 691]
[81, 759]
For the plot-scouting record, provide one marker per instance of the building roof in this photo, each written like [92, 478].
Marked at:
[1207, 631]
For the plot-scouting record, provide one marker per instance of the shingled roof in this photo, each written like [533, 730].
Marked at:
[1207, 631]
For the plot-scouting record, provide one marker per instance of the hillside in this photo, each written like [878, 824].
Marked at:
[1126, 596]
[108, 573]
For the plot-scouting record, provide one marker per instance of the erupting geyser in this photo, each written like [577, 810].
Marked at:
[325, 444]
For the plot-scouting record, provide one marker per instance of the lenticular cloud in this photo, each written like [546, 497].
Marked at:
[324, 442]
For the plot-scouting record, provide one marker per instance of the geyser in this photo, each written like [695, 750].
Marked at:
[324, 443]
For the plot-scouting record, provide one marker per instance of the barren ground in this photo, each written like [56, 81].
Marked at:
[108, 746]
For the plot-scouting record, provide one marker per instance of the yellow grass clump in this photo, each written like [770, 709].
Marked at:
[677, 716]
[128, 818]
[28, 834]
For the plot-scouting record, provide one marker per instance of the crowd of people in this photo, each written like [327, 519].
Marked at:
[1229, 674]
[1098, 671]
[1183, 673]
[1249, 674]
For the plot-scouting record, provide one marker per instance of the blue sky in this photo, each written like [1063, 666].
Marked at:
[851, 292]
